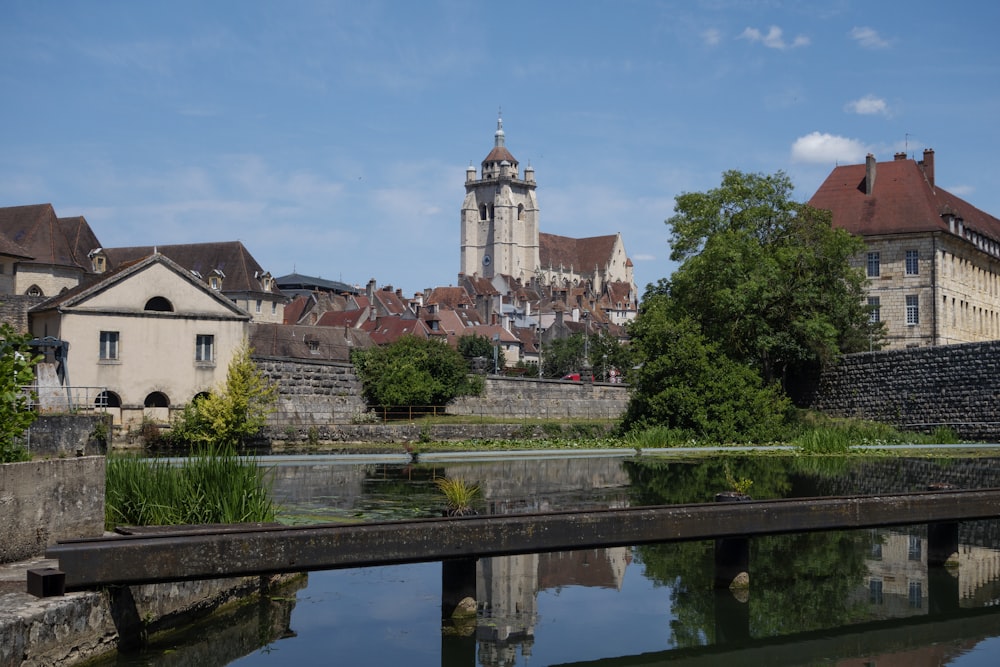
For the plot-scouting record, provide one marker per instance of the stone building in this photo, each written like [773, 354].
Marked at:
[501, 236]
[932, 259]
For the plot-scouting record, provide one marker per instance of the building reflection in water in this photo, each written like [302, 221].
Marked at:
[507, 591]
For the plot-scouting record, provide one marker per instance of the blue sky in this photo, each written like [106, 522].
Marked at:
[332, 137]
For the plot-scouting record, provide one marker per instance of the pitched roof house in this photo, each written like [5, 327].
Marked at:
[226, 266]
[143, 338]
[42, 254]
[932, 258]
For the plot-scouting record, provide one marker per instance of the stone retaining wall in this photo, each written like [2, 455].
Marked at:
[45, 501]
[919, 388]
[323, 393]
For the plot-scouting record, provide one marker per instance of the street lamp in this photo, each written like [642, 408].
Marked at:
[496, 347]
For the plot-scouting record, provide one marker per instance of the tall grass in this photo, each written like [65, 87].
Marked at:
[212, 486]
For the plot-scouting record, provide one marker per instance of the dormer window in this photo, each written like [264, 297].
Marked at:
[215, 282]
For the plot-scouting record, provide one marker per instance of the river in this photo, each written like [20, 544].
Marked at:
[848, 598]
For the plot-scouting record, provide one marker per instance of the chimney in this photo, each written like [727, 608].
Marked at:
[899, 156]
[869, 174]
[370, 289]
[928, 165]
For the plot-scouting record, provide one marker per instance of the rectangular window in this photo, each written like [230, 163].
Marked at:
[914, 549]
[916, 595]
[204, 348]
[258, 305]
[873, 265]
[274, 307]
[875, 591]
[912, 263]
[109, 345]
[912, 309]
[874, 309]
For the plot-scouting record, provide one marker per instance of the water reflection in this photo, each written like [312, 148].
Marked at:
[844, 597]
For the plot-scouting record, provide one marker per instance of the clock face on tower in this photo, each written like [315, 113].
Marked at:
[486, 260]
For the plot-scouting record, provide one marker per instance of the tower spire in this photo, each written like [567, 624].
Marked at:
[498, 138]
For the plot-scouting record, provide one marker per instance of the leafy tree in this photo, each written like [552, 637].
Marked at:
[563, 355]
[767, 279]
[412, 371]
[17, 370]
[233, 412]
[474, 345]
[685, 382]
[607, 352]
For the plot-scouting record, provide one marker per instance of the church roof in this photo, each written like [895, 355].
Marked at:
[581, 254]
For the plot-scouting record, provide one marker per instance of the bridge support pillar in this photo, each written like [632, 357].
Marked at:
[732, 617]
[943, 594]
[458, 581]
[942, 543]
[732, 562]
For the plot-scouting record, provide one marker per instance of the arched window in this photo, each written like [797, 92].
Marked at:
[108, 399]
[159, 304]
[157, 399]
[35, 290]
[520, 211]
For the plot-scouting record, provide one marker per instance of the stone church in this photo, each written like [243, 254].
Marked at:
[501, 239]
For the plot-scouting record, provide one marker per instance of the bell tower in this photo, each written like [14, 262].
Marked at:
[499, 228]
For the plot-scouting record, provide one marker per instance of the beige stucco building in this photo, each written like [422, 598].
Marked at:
[144, 339]
[932, 259]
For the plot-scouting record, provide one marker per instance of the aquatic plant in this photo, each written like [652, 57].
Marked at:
[458, 495]
[212, 486]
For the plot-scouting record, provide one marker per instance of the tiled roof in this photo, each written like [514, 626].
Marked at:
[241, 271]
[392, 303]
[306, 342]
[450, 297]
[385, 330]
[582, 254]
[342, 318]
[36, 232]
[902, 201]
[297, 307]
[499, 154]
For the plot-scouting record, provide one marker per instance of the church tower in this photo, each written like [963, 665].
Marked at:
[499, 217]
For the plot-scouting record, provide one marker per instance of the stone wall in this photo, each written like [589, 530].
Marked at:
[324, 393]
[45, 501]
[14, 309]
[313, 392]
[919, 388]
[523, 398]
[64, 436]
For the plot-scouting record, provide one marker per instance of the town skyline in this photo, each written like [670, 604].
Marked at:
[332, 139]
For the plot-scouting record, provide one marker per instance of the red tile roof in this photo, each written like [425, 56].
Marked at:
[902, 201]
[582, 254]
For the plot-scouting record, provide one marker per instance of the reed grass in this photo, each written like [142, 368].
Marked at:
[211, 486]
[458, 494]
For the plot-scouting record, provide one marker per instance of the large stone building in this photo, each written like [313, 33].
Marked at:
[501, 236]
[932, 259]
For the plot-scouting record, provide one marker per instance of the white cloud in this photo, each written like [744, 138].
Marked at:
[869, 105]
[711, 37]
[643, 257]
[868, 38]
[961, 190]
[774, 38]
[822, 148]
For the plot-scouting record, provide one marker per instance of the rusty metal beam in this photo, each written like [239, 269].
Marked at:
[192, 554]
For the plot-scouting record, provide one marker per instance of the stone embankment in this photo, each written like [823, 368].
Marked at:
[919, 388]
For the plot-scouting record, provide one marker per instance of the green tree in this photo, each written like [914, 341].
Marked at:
[563, 355]
[607, 352]
[412, 371]
[473, 345]
[685, 382]
[234, 411]
[17, 370]
[767, 279]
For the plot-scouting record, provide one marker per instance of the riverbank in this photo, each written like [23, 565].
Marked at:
[80, 627]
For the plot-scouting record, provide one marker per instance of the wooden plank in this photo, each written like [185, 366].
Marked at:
[192, 554]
